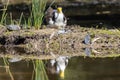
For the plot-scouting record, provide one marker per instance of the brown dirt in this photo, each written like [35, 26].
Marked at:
[38, 42]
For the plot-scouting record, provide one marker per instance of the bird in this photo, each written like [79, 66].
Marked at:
[62, 62]
[56, 17]
[58, 65]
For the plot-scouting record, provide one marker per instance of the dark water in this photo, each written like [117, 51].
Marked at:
[77, 68]
[99, 21]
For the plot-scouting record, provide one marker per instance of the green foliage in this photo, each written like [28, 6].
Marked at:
[4, 14]
[6, 63]
[20, 20]
[40, 73]
[37, 13]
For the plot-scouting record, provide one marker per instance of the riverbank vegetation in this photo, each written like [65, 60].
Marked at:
[37, 10]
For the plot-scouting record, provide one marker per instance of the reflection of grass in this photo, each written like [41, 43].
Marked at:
[7, 68]
[40, 73]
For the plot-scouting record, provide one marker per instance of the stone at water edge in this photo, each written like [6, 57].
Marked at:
[61, 31]
[13, 27]
[15, 59]
[87, 39]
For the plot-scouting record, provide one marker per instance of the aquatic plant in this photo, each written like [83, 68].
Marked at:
[39, 70]
[4, 14]
[37, 13]
[6, 63]
[13, 21]
[20, 20]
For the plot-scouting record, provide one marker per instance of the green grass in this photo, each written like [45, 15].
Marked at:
[105, 31]
[4, 14]
[37, 13]
[39, 68]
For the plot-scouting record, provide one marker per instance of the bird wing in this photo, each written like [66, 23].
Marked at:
[54, 16]
[49, 11]
[64, 19]
[49, 14]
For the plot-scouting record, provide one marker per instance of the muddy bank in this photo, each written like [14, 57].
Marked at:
[42, 42]
[75, 35]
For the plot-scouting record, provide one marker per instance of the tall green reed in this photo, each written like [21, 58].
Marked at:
[39, 70]
[4, 14]
[37, 13]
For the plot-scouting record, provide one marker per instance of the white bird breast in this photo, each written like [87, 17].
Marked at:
[59, 19]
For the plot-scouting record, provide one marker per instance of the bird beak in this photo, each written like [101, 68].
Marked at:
[59, 9]
[62, 75]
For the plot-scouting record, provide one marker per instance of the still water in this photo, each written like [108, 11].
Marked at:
[61, 68]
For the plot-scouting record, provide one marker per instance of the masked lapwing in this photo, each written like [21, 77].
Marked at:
[59, 65]
[56, 18]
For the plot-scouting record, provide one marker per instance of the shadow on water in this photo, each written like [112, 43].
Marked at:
[99, 21]
[61, 68]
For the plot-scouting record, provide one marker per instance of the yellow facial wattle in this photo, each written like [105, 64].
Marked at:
[59, 9]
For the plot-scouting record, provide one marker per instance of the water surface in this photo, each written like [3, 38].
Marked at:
[77, 68]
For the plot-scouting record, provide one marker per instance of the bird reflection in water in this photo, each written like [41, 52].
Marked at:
[58, 65]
